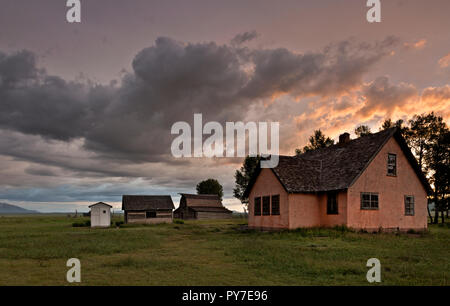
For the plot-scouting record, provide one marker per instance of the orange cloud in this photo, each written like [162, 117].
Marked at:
[370, 104]
[416, 45]
[444, 62]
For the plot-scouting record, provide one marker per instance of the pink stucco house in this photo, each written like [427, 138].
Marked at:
[371, 183]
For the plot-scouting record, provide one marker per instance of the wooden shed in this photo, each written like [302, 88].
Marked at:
[147, 208]
[201, 206]
[100, 214]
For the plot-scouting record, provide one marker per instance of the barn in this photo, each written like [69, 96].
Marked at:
[150, 209]
[201, 206]
[100, 214]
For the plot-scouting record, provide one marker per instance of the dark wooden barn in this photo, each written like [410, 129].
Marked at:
[204, 206]
[147, 209]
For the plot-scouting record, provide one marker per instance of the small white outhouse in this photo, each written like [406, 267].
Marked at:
[100, 214]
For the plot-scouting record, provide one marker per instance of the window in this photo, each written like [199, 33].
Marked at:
[257, 206]
[369, 200]
[266, 206]
[409, 205]
[332, 205]
[275, 205]
[150, 214]
[392, 164]
[104, 211]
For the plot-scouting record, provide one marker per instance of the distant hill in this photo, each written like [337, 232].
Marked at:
[13, 209]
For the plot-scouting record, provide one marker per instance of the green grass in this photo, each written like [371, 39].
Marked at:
[34, 251]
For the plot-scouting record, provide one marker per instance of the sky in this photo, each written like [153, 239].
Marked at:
[86, 109]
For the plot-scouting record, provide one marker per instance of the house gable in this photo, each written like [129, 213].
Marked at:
[390, 190]
[406, 152]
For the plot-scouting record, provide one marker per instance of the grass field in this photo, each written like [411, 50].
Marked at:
[34, 251]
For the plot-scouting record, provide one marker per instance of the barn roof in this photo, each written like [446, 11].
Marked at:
[202, 200]
[335, 167]
[210, 209]
[99, 203]
[146, 202]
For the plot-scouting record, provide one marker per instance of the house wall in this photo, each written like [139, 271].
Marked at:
[267, 184]
[333, 220]
[303, 210]
[100, 216]
[391, 190]
[310, 210]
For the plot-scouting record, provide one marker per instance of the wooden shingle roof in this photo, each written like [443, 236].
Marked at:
[147, 202]
[335, 167]
[210, 209]
[202, 200]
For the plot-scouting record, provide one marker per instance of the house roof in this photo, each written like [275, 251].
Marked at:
[202, 200]
[99, 203]
[147, 202]
[335, 167]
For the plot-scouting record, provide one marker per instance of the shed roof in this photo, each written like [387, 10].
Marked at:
[147, 202]
[335, 167]
[99, 203]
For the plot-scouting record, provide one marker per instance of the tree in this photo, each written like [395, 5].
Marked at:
[388, 123]
[316, 141]
[420, 135]
[437, 160]
[242, 178]
[210, 186]
[362, 130]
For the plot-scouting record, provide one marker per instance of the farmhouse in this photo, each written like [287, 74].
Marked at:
[147, 208]
[201, 206]
[371, 183]
[100, 214]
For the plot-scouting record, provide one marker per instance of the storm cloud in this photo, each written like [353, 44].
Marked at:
[170, 82]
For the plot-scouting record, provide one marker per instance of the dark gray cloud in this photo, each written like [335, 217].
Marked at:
[33, 102]
[381, 95]
[40, 171]
[338, 68]
[244, 37]
[129, 122]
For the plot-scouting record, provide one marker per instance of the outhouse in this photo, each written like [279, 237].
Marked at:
[100, 214]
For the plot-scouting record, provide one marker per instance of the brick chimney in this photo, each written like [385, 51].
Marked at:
[344, 138]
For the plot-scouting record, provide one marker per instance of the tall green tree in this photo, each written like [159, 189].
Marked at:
[437, 161]
[316, 141]
[362, 130]
[242, 178]
[421, 132]
[210, 186]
